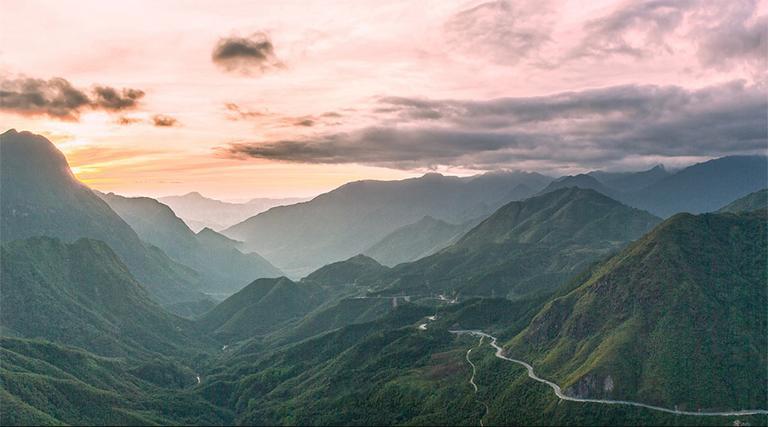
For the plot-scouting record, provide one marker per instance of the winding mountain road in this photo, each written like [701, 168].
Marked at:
[556, 388]
[472, 380]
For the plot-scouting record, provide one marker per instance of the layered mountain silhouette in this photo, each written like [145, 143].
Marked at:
[527, 247]
[223, 267]
[677, 319]
[348, 220]
[41, 197]
[199, 212]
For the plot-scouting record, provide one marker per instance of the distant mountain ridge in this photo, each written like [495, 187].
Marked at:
[348, 220]
[199, 211]
[631, 181]
[583, 181]
[702, 187]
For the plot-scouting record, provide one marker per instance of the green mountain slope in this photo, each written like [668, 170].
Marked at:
[416, 240]
[260, 308]
[81, 294]
[748, 203]
[41, 197]
[223, 268]
[389, 372]
[676, 319]
[526, 247]
[42, 383]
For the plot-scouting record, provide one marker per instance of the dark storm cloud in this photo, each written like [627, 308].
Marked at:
[161, 120]
[57, 98]
[249, 56]
[588, 128]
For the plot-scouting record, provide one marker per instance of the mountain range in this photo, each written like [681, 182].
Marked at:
[601, 298]
[348, 220]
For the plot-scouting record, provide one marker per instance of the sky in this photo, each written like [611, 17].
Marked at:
[242, 99]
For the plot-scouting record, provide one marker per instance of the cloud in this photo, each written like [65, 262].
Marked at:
[306, 122]
[57, 98]
[633, 29]
[110, 99]
[722, 34]
[502, 31]
[125, 120]
[733, 35]
[161, 120]
[271, 119]
[589, 128]
[248, 56]
[235, 112]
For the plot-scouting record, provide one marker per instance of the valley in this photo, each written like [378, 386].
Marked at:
[399, 213]
[565, 307]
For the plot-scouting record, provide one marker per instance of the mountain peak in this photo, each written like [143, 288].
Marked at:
[194, 194]
[432, 175]
[30, 157]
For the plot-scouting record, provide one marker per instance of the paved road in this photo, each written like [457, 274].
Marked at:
[500, 354]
